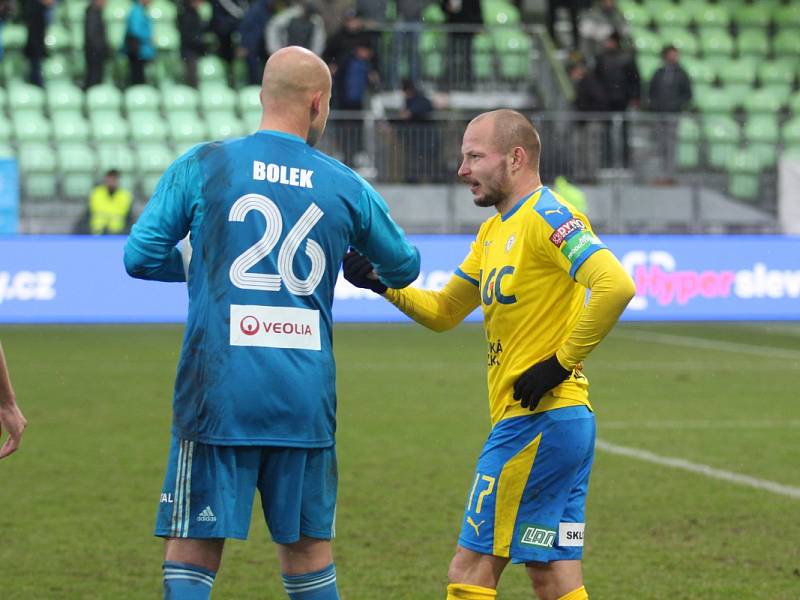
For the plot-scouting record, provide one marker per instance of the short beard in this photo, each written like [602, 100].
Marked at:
[497, 190]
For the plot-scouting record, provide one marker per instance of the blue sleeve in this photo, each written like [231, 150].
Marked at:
[138, 26]
[381, 240]
[150, 252]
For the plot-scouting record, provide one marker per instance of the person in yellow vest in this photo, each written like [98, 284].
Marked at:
[110, 207]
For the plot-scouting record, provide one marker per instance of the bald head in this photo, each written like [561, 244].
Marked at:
[295, 93]
[510, 130]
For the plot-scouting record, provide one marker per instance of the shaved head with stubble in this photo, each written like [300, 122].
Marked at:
[296, 93]
[500, 158]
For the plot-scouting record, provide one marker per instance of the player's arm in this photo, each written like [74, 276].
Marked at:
[151, 252]
[11, 418]
[380, 239]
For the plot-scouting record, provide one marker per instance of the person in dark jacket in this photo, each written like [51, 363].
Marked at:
[464, 16]
[95, 46]
[191, 27]
[225, 18]
[35, 17]
[587, 134]
[139, 45]
[670, 92]
[419, 135]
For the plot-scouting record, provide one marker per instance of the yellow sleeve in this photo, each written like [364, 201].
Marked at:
[611, 290]
[440, 310]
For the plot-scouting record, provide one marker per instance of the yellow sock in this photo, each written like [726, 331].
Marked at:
[579, 594]
[462, 591]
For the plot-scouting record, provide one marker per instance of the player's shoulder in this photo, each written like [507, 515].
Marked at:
[551, 211]
[343, 175]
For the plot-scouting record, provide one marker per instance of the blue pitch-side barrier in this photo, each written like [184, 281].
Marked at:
[51, 279]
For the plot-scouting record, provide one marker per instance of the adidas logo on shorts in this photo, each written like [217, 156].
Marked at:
[207, 515]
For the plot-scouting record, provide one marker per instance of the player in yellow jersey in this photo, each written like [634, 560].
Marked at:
[528, 269]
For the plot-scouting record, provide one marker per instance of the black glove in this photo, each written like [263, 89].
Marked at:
[356, 271]
[538, 380]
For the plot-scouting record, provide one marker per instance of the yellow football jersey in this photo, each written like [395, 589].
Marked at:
[523, 265]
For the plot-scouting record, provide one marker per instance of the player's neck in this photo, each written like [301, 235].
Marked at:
[285, 124]
[522, 189]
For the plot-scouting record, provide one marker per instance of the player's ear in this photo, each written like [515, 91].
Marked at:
[518, 158]
[316, 104]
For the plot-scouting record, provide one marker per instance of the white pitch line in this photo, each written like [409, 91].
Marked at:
[701, 469]
[702, 424]
[694, 342]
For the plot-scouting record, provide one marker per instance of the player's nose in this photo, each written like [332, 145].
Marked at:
[463, 170]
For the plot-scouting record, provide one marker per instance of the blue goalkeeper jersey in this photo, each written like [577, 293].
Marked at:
[270, 220]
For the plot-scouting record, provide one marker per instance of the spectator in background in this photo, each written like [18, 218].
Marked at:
[405, 41]
[418, 135]
[341, 50]
[670, 92]
[373, 15]
[573, 7]
[7, 8]
[225, 18]
[95, 45]
[139, 45]
[298, 25]
[252, 43]
[193, 46]
[617, 72]
[463, 16]
[587, 135]
[110, 207]
[35, 17]
[333, 13]
[598, 23]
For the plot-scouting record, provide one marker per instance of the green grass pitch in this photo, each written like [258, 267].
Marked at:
[77, 503]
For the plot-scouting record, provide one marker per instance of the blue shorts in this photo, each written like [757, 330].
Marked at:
[208, 491]
[529, 493]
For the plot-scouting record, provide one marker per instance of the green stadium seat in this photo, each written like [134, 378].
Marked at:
[744, 170]
[153, 160]
[787, 43]
[24, 96]
[762, 129]
[224, 125]
[648, 65]
[482, 56]
[715, 101]
[738, 93]
[499, 13]
[14, 37]
[7, 150]
[103, 98]
[30, 126]
[116, 156]
[108, 127]
[753, 42]
[711, 15]
[667, 14]
[179, 98]
[6, 130]
[144, 98]
[780, 71]
[794, 103]
[683, 39]
[699, 71]
[738, 71]
[216, 97]
[211, 68]
[716, 42]
[767, 99]
[751, 16]
[166, 37]
[647, 42]
[162, 11]
[148, 126]
[514, 51]
[637, 15]
[432, 48]
[250, 100]
[722, 138]
[70, 127]
[790, 132]
[64, 97]
[185, 130]
[116, 11]
[115, 31]
[58, 39]
[788, 15]
[688, 150]
[75, 13]
[38, 172]
[77, 164]
[433, 15]
[57, 68]
[3, 99]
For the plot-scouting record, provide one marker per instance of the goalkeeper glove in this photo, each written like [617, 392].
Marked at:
[538, 380]
[357, 270]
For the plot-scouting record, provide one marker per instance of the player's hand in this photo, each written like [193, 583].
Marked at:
[12, 420]
[538, 380]
[360, 272]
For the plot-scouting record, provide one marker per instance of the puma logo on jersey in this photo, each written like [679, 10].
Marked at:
[553, 211]
[475, 526]
[282, 174]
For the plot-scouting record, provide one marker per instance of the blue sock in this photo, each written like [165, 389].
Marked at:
[183, 581]
[320, 585]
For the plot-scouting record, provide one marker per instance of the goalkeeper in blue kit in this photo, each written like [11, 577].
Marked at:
[254, 406]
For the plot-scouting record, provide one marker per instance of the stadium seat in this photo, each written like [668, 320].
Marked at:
[116, 156]
[787, 43]
[514, 51]
[57, 39]
[211, 68]
[482, 56]
[108, 127]
[432, 48]
[64, 97]
[751, 16]
[186, 130]
[716, 42]
[740, 71]
[116, 11]
[103, 98]
[790, 132]
[648, 65]
[30, 126]
[57, 69]
[722, 138]
[688, 155]
[6, 130]
[153, 160]
[24, 96]
[647, 42]
[162, 11]
[77, 164]
[38, 172]
[637, 15]
[179, 98]
[14, 37]
[753, 42]
[499, 13]
[250, 100]
[165, 37]
[142, 98]
[70, 126]
[761, 133]
[75, 13]
[744, 170]
[715, 101]
[148, 126]
[3, 100]
[794, 103]
[216, 97]
[711, 15]
[432, 14]
[682, 39]
[777, 71]
[788, 15]
[699, 71]
[7, 150]
[667, 14]
[766, 100]
[223, 125]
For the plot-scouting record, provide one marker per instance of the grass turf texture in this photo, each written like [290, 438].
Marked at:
[77, 503]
